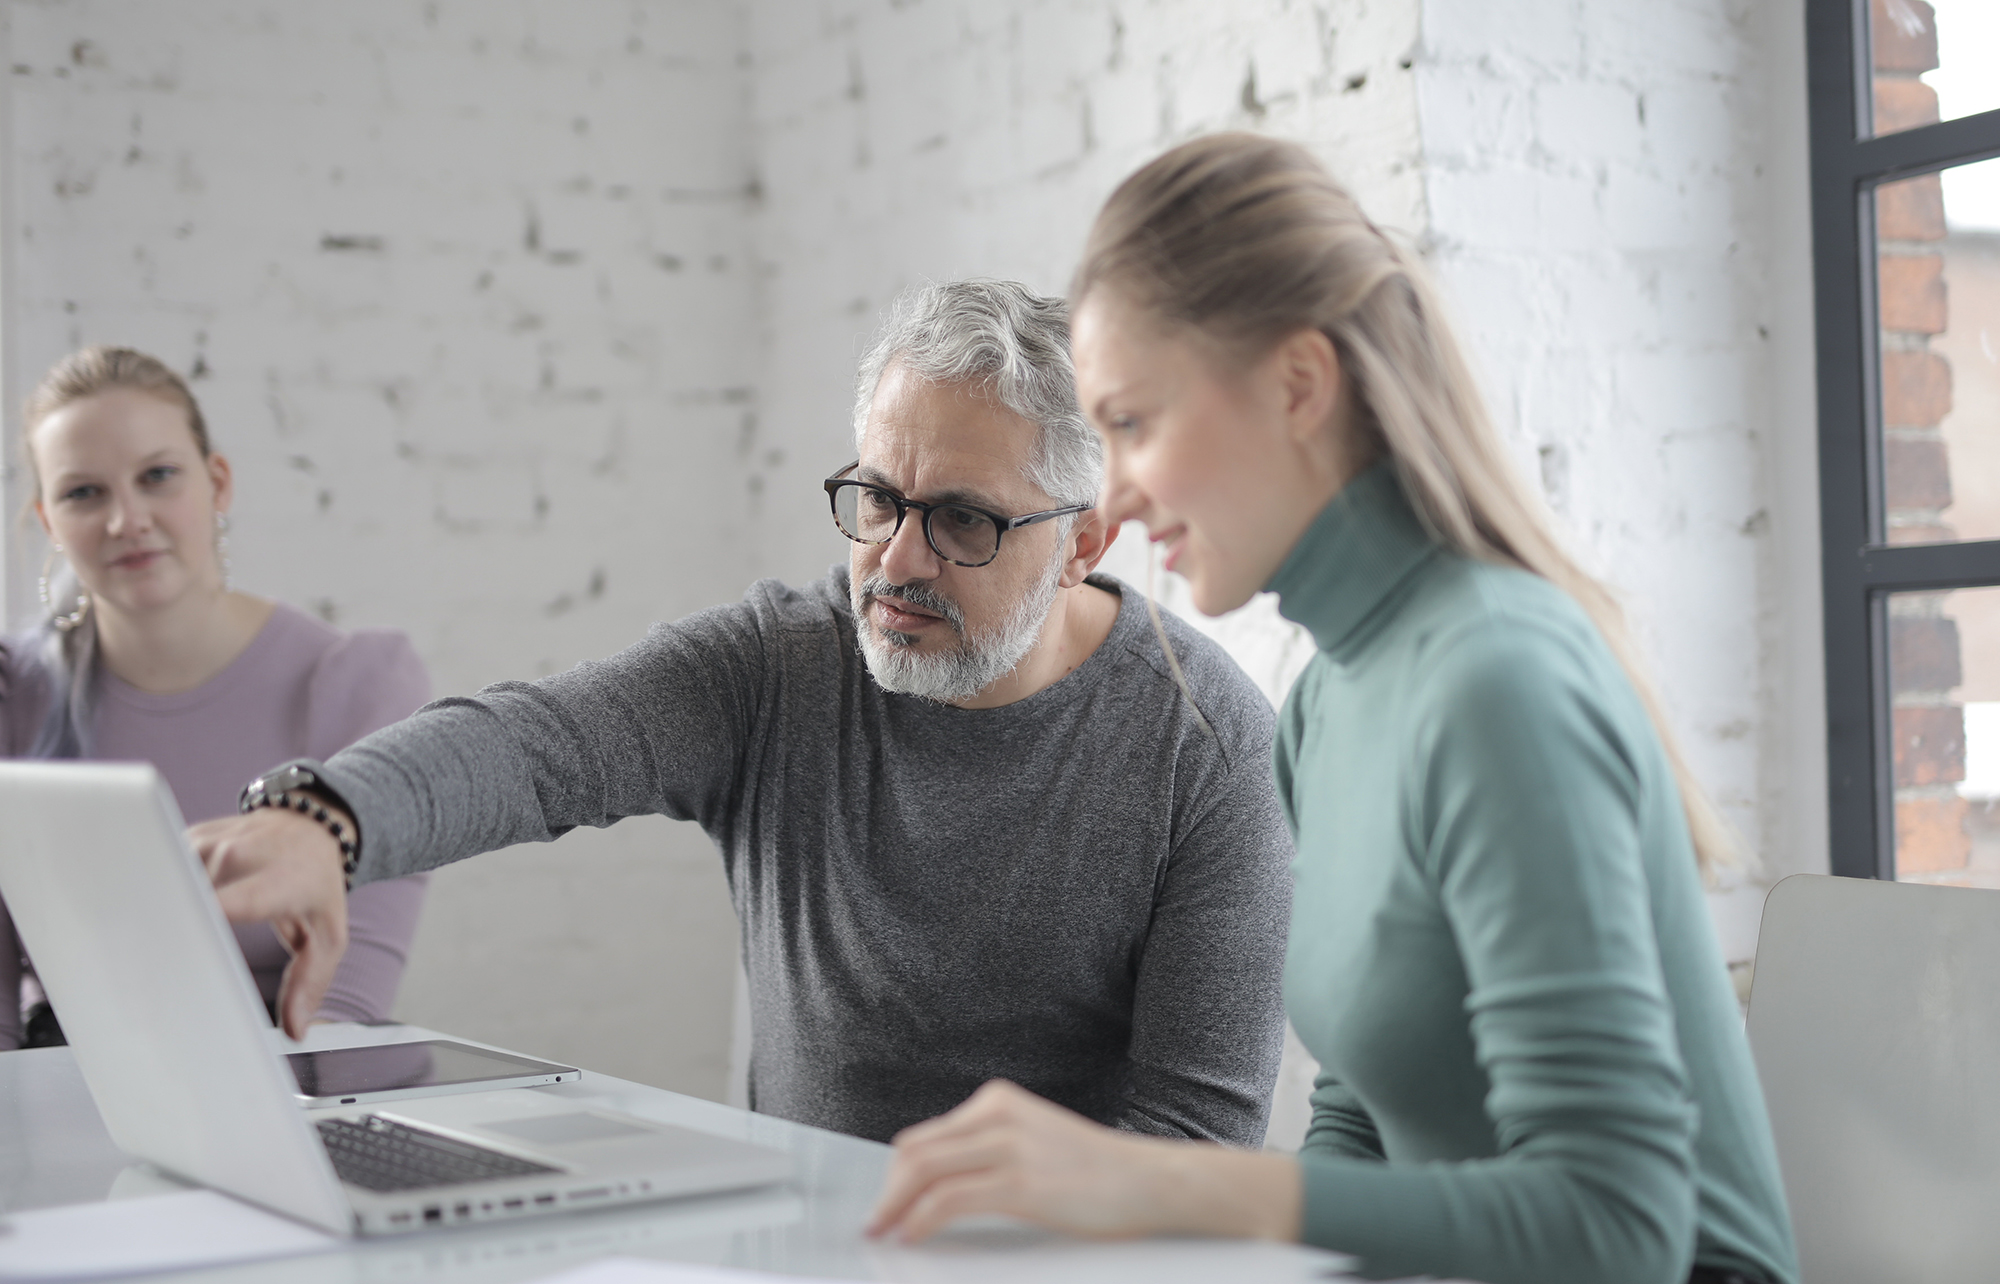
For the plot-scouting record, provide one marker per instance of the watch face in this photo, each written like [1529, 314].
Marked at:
[283, 779]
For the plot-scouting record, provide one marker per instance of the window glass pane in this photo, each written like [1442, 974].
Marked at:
[1933, 60]
[1938, 297]
[1944, 674]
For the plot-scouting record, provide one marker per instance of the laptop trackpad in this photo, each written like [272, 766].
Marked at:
[563, 1130]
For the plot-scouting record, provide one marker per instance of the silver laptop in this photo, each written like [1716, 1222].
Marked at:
[1875, 1020]
[174, 1042]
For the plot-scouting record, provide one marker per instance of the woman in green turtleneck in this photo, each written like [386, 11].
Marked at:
[1534, 1069]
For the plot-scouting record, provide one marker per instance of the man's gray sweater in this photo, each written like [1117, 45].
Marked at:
[1085, 891]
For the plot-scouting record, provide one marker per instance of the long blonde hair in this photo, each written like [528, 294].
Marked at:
[1248, 240]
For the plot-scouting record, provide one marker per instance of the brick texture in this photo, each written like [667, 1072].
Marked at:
[1911, 295]
[1916, 389]
[1929, 744]
[1923, 653]
[1929, 738]
[1902, 35]
[1917, 474]
[1911, 209]
[1931, 837]
[1903, 104]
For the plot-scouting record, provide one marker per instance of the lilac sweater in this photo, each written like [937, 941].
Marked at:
[300, 689]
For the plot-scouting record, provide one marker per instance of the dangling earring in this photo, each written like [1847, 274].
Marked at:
[48, 564]
[63, 623]
[222, 550]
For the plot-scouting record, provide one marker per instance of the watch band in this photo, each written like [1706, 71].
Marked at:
[292, 787]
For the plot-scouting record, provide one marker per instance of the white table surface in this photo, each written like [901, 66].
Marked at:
[54, 1151]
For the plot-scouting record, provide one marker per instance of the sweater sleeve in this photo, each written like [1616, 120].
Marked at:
[1525, 816]
[1208, 1020]
[1341, 1125]
[364, 682]
[658, 728]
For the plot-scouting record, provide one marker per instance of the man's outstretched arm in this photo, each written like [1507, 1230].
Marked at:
[657, 728]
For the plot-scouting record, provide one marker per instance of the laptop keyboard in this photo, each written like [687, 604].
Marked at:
[382, 1155]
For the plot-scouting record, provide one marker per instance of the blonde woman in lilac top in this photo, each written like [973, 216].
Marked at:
[147, 654]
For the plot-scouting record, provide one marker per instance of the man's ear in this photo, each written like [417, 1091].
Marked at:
[1090, 539]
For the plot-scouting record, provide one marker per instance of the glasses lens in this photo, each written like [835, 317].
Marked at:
[964, 534]
[865, 513]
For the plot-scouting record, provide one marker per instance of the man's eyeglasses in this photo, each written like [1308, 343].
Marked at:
[959, 533]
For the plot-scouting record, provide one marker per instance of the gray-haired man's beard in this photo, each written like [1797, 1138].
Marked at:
[978, 661]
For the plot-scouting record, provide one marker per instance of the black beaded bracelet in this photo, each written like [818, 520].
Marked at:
[350, 852]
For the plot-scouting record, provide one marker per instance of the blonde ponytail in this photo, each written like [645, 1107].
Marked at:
[1248, 240]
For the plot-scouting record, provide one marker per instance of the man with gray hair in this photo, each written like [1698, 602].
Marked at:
[972, 828]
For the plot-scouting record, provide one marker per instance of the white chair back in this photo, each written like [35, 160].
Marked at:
[1875, 1020]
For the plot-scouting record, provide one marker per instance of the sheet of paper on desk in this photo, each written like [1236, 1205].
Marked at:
[139, 1236]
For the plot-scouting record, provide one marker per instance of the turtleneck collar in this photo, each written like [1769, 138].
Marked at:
[1365, 542]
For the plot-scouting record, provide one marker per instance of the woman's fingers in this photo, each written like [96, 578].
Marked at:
[982, 1156]
[967, 1135]
[964, 1195]
[920, 1165]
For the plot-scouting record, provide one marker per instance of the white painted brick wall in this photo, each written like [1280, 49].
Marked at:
[905, 142]
[508, 419]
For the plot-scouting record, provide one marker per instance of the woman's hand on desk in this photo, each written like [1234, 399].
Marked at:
[1008, 1151]
[275, 866]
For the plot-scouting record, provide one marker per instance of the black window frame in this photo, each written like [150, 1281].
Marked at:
[1858, 574]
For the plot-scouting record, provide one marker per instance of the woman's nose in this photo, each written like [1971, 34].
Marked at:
[128, 515]
[1119, 501]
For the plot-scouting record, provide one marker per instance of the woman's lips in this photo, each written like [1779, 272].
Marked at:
[1174, 543]
[138, 561]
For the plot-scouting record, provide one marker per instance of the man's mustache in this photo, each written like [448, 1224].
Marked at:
[918, 594]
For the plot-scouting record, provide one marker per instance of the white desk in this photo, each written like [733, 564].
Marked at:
[54, 1151]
